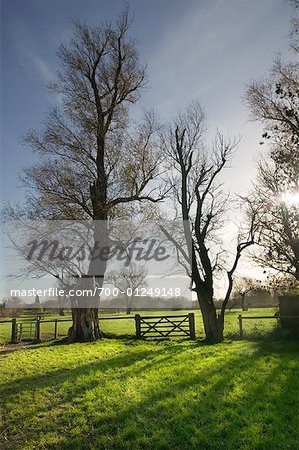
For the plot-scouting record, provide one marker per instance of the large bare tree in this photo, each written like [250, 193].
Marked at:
[93, 160]
[202, 203]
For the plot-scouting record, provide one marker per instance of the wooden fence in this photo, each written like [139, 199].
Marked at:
[241, 318]
[146, 326]
[31, 331]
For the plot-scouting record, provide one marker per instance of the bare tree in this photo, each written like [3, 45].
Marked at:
[294, 33]
[274, 102]
[93, 160]
[242, 287]
[277, 208]
[281, 284]
[11, 306]
[127, 281]
[202, 205]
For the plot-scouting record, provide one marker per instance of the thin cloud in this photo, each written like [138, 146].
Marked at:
[42, 68]
[28, 54]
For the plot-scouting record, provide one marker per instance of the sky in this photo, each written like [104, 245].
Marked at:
[206, 50]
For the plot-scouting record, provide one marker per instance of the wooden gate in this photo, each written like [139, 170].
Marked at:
[26, 331]
[165, 326]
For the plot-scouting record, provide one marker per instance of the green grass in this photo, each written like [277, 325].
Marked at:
[252, 328]
[173, 394]
[129, 394]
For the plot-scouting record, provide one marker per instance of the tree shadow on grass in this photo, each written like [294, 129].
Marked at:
[178, 401]
[198, 411]
[75, 382]
[276, 334]
[124, 360]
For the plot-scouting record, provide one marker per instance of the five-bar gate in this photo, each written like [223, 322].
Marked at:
[165, 326]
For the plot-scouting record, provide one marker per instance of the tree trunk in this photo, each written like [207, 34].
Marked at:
[128, 304]
[213, 324]
[85, 326]
[243, 302]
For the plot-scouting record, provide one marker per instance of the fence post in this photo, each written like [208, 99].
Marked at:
[14, 331]
[240, 325]
[55, 329]
[137, 325]
[37, 331]
[191, 325]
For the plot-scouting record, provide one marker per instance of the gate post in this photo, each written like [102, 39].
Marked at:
[240, 325]
[14, 331]
[191, 325]
[137, 325]
[56, 329]
[37, 331]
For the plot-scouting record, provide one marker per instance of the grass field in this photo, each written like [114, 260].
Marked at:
[132, 394]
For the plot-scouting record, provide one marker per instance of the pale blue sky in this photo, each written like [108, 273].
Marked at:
[203, 49]
[195, 49]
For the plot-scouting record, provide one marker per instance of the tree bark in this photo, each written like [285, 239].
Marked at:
[213, 323]
[85, 326]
